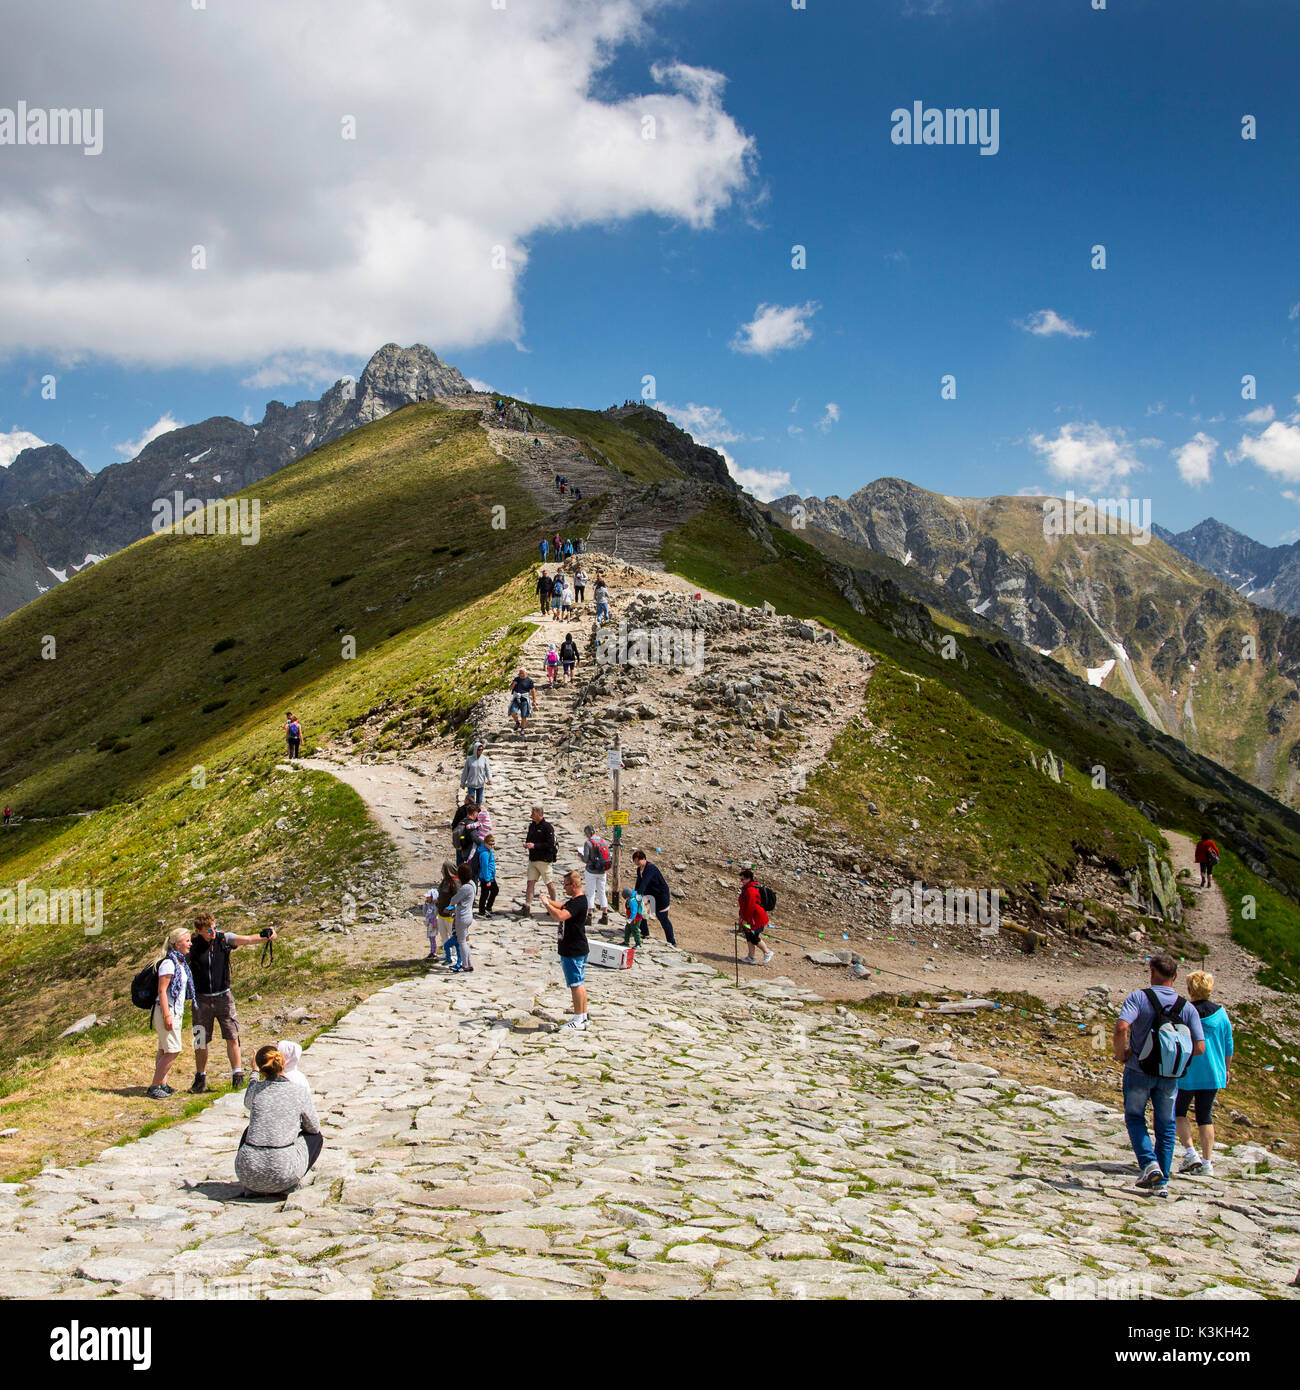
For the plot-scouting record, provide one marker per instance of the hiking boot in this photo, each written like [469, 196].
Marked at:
[1151, 1176]
[604, 919]
[237, 1081]
[1191, 1164]
[167, 1089]
[200, 1084]
[157, 1093]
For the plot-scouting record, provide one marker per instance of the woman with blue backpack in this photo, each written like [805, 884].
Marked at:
[1205, 1076]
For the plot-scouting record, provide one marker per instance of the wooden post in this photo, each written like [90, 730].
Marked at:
[618, 777]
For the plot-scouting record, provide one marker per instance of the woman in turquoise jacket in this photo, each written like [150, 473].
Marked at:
[1205, 1076]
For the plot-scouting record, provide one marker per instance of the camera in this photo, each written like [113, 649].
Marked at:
[266, 932]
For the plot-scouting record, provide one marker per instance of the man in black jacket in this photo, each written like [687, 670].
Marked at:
[545, 588]
[540, 841]
[214, 1004]
[651, 884]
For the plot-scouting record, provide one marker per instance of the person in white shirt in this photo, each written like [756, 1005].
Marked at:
[175, 985]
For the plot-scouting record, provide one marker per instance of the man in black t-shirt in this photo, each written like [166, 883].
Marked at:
[214, 1004]
[571, 916]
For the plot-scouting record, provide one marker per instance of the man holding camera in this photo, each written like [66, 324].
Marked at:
[214, 1002]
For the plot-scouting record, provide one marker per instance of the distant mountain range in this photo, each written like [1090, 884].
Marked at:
[1265, 574]
[56, 517]
[1144, 621]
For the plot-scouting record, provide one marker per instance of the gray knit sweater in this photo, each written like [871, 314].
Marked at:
[272, 1155]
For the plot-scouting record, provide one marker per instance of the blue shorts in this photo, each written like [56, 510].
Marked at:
[575, 970]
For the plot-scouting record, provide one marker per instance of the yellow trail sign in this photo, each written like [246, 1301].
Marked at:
[615, 817]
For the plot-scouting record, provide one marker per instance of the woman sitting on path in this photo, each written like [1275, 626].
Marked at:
[283, 1137]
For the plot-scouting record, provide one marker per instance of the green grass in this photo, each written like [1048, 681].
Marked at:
[620, 446]
[926, 751]
[1273, 931]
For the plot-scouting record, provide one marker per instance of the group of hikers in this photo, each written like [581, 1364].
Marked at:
[561, 594]
[283, 1138]
[1175, 1051]
[562, 547]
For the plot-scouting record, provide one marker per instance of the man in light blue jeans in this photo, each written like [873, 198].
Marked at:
[1137, 1016]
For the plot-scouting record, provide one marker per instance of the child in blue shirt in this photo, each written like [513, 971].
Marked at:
[487, 875]
[635, 917]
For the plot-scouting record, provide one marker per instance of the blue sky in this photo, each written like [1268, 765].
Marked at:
[1119, 127]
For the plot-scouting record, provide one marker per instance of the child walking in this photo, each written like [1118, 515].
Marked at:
[487, 876]
[635, 917]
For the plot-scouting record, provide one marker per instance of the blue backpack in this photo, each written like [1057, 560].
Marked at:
[1167, 1049]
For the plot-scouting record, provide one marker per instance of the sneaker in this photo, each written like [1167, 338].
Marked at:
[157, 1093]
[167, 1090]
[767, 958]
[1151, 1176]
[748, 960]
[578, 1025]
[200, 1085]
[237, 1081]
[1207, 1168]
[468, 969]
[604, 920]
[457, 969]
[1191, 1164]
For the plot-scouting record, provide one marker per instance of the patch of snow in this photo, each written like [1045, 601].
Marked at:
[1118, 649]
[1097, 674]
[907, 559]
[60, 575]
[196, 457]
[984, 607]
[216, 477]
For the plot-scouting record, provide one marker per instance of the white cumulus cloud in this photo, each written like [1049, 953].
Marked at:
[1261, 415]
[775, 328]
[765, 484]
[225, 128]
[704, 423]
[1089, 455]
[163, 425]
[1047, 323]
[1276, 451]
[13, 443]
[1194, 459]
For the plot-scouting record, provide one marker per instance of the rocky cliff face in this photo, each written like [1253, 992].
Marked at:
[39, 473]
[695, 460]
[58, 516]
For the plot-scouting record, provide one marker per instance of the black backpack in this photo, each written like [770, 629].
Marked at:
[144, 988]
[766, 898]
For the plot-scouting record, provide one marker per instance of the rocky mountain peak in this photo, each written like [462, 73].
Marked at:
[38, 473]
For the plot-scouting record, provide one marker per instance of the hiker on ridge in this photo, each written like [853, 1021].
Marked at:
[1156, 1035]
[522, 692]
[753, 917]
[545, 587]
[568, 657]
[214, 1001]
[653, 887]
[596, 860]
[175, 986]
[540, 843]
[544, 547]
[1205, 1076]
[571, 918]
[292, 736]
[1206, 854]
[477, 775]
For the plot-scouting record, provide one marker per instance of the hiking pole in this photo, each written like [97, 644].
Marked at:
[735, 951]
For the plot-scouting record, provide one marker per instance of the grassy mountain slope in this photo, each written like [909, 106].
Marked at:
[150, 742]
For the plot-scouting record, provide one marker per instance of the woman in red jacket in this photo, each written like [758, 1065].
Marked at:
[752, 917]
[1206, 855]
